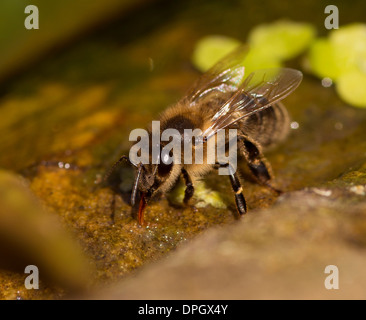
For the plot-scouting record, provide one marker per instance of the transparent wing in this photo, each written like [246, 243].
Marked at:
[225, 76]
[259, 90]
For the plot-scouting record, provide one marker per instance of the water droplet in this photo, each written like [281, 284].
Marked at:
[327, 82]
[294, 125]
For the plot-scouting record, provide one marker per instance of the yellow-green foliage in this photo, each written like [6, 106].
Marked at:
[342, 57]
[270, 45]
[211, 49]
[281, 40]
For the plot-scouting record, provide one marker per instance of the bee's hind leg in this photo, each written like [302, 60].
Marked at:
[257, 163]
[241, 204]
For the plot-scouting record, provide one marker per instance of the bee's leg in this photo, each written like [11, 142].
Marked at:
[115, 165]
[188, 193]
[241, 204]
[257, 163]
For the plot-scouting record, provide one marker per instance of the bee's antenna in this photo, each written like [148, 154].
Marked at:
[156, 168]
[135, 186]
[116, 164]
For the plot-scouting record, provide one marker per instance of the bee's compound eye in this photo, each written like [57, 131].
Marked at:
[164, 169]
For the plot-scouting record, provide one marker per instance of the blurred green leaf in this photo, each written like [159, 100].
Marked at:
[283, 39]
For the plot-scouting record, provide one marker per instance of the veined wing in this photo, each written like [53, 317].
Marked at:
[259, 90]
[225, 76]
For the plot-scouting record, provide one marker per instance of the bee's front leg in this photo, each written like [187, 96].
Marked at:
[257, 163]
[188, 193]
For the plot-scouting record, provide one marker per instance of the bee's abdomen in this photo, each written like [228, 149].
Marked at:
[267, 127]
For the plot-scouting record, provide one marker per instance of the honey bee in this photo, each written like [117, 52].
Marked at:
[222, 98]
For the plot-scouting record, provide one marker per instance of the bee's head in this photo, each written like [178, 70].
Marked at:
[149, 178]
